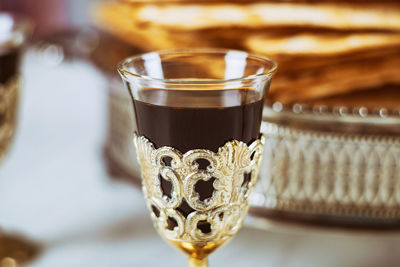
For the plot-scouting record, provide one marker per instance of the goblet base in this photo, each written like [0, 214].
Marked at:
[193, 262]
[15, 250]
[198, 252]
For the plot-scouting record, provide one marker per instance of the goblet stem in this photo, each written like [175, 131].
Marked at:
[194, 262]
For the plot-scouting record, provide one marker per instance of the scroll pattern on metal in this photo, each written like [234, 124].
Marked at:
[329, 174]
[8, 108]
[224, 211]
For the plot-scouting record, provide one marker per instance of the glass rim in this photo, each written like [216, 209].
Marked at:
[127, 74]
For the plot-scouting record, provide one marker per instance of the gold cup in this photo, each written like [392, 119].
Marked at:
[185, 103]
[13, 32]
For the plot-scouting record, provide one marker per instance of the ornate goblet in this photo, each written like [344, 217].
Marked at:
[198, 116]
[13, 31]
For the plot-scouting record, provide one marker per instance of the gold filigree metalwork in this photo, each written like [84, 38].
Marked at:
[8, 108]
[234, 169]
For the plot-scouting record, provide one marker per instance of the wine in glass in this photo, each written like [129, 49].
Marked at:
[198, 115]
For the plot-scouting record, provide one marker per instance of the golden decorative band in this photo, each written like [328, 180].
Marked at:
[8, 108]
[232, 171]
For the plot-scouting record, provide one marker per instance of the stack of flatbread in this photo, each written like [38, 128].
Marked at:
[323, 48]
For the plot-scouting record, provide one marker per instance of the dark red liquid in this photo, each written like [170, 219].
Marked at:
[206, 119]
[188, 120]
[9, 61]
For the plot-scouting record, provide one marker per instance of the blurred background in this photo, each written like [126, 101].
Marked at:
[70, 182]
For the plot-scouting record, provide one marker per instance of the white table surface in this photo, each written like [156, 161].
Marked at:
[54, 189]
